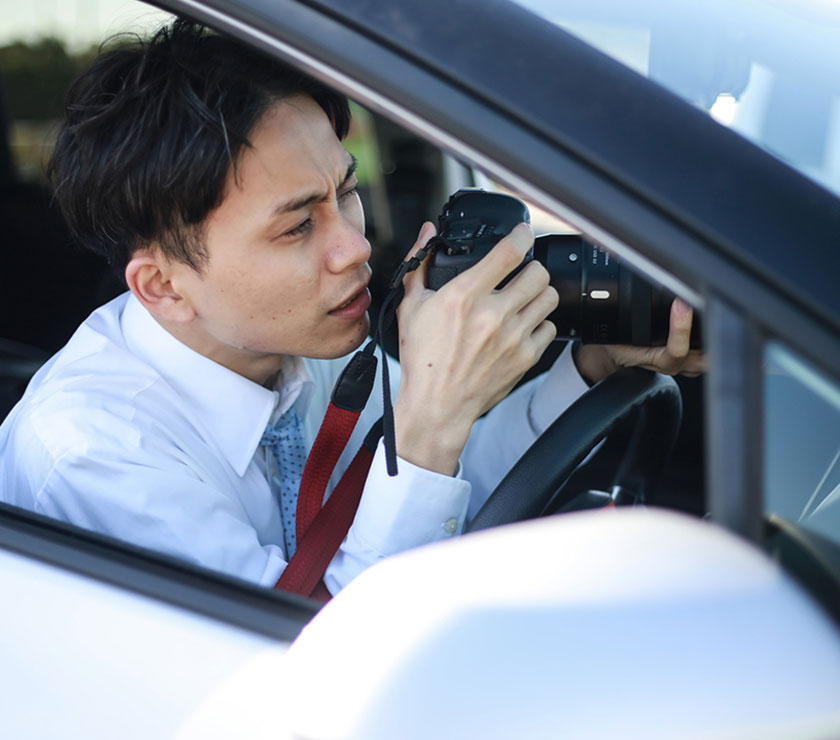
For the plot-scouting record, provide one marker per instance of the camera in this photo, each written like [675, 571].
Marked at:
[601, 301]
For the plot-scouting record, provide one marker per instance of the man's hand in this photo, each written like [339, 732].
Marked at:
[464, 347]
[596, 361]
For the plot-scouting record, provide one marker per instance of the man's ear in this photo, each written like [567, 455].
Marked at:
[149, 275]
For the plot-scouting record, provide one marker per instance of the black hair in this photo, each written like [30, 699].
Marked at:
[151, 130]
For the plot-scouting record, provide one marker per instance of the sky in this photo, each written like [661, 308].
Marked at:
[79, 22]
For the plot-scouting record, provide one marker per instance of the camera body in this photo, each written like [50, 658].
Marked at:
[601, 301]
[469, 226]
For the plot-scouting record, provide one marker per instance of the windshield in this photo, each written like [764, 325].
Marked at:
[768, 69]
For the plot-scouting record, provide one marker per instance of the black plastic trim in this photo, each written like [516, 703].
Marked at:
[734, 415]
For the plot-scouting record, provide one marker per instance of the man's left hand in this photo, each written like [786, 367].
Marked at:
[596, 361]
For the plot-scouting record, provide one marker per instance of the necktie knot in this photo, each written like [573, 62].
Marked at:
[284, 430]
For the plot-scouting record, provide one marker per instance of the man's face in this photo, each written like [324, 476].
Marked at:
[287, 272]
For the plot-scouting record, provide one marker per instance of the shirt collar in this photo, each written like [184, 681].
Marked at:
[293, 386]
[230, 409]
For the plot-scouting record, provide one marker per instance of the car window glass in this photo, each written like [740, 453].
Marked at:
[765, 68]
[802, 443]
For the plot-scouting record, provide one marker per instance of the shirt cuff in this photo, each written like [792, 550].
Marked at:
[561, 386]
[415, 507]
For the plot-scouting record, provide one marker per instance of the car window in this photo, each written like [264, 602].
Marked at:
[403, 179]
[764, 68]
[40, 54]
[802, 443]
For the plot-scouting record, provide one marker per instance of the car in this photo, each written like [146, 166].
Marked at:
[700, 145]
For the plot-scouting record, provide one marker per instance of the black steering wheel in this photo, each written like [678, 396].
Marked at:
[537, 477]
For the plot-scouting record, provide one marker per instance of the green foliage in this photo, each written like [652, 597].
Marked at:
[36, 75]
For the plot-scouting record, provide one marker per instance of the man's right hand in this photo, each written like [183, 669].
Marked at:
[465, 346]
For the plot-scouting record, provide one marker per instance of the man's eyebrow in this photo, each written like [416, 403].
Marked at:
[302, 202]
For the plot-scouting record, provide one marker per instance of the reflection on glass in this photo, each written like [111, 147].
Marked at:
[802, 443]
[765, 68]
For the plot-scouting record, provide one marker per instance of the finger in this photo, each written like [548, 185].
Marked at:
[679, 334]
[528, 284]
[537, 310]
[695, 363]
[415, 282]
[502, 260]
[541, 337]
[691, 366]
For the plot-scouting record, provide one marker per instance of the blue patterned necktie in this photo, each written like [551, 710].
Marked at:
[286, 458]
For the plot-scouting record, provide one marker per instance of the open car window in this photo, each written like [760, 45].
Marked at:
[403, 180]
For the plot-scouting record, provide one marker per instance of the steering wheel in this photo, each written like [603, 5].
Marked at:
[533, 481]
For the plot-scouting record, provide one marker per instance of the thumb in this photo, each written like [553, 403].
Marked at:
[415, 282]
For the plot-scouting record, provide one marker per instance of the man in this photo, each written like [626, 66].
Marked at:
[215, 182]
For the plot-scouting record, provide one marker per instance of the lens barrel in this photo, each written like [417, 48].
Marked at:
[601, 301]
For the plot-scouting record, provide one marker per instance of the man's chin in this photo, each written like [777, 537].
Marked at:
[352, 341]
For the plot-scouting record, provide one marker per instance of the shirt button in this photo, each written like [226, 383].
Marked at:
[451, 525]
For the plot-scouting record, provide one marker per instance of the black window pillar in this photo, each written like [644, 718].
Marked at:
[735, 423]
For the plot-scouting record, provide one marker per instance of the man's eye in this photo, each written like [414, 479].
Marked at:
[301, 228]
[353, 191]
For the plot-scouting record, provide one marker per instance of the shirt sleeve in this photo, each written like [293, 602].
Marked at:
[499, 439]
[106, 465]
[159, 503]
[419, 506]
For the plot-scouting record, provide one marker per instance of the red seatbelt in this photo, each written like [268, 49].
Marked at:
[321, 528]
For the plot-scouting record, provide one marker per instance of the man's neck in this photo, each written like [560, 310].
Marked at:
[259, 367]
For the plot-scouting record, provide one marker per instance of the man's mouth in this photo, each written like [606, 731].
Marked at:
[353, 307]
[347, 302]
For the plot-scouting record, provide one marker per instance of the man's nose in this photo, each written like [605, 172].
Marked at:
[347, 246]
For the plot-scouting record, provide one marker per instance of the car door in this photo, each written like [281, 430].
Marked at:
[629, 164]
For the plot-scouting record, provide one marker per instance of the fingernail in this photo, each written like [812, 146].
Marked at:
[681, 307]
[426, 231]
[526, 233]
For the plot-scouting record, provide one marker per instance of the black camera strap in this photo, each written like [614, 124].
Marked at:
[366, 357]
[387, 314]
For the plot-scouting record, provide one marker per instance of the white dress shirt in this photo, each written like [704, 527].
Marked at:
[129, 432]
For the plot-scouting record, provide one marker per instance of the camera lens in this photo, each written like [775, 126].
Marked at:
[601, 301]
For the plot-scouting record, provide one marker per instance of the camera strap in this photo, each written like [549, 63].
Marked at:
[386, 316]
[321, 527]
